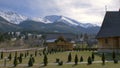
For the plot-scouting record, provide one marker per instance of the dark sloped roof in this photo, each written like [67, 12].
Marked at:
[111, 25]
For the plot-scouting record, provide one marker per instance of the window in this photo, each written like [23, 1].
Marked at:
[106, 41]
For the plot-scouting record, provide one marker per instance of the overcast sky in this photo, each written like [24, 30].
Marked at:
[86, 11]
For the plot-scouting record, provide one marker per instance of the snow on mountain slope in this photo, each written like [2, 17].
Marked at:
[52, 18]
[12, 17]
[41, 20]
[16, 18]
[69, 21]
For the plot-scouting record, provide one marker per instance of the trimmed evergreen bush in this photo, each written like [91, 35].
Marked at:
[81, 59]
[103, 58]
[1, 55]
[93, 56]
[30, 62]
[89, 60]
[60, 63]
[10, 57]
[45, 60]
[115, 60]
[76, 59]
[57, 60]
[69, 57]
[113, 55]
[15, 61]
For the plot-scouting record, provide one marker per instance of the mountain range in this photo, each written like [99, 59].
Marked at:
[12, 21]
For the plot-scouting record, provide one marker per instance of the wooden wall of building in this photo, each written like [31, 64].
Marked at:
[110, 42]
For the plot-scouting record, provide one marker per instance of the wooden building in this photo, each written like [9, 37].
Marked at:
[60, 44]
[109, 34]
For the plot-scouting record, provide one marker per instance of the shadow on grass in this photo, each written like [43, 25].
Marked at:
[108, 56]
[74, 65]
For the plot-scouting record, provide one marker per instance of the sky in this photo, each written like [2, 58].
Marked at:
[85, 11]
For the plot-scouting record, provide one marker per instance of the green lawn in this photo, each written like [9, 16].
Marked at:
[62, 56]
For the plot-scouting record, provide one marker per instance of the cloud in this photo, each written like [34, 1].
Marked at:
[86, 11]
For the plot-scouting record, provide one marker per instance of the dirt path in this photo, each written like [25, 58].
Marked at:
[5, 50]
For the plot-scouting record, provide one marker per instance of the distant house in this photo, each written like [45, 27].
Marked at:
[60, 44]
[109, 34]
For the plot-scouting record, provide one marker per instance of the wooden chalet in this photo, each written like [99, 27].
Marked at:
[109, 34]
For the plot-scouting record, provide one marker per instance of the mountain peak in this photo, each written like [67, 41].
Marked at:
[12, 16]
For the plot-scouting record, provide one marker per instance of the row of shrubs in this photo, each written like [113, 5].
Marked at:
[90, 59]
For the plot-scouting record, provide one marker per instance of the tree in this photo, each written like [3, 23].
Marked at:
[113, 55]
[89, 60]
[57, 60]
[69, 57]
[60, 63]
[45, 60]
[103, 58]
[36, 53]
[27, 53]
[81, 59]
[10, 57]
[16, 54]
[115, 60]
[20, 58]
[1, 55]
[93, 56]
[30, 62]
[15, 61]
[76, 59]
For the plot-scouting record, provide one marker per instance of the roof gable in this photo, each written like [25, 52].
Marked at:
[111, 25]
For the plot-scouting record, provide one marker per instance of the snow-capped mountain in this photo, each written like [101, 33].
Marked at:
[12, 17]
[68, 21]
[41, 20]
[51, 23]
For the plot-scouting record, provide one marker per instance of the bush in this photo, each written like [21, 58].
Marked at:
[81, 59]
[103, 58]
[69, 57]
[10, 57]
[57, 60]
[30, 62]
[76, 59]
[15, 61]
[45, 60]
[36, 53]
[93, 56]
[115, 60]
[113, 55]
[20, 58]
[60, 63]
[89, 60]
[1, 55]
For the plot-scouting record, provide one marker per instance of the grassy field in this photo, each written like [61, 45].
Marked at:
[62, 56]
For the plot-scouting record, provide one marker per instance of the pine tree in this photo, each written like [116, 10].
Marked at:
[10, 57]
[45, 60]
[76, 59]
[103, 58]
[89, 60]
[1, 55]
[93, 56]
[27, 53]
[69, 57]
[30, 62]
[113, 55]
[16, 54]
[15, 61]
[81, 59]
[20, 58]
[36, 53]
